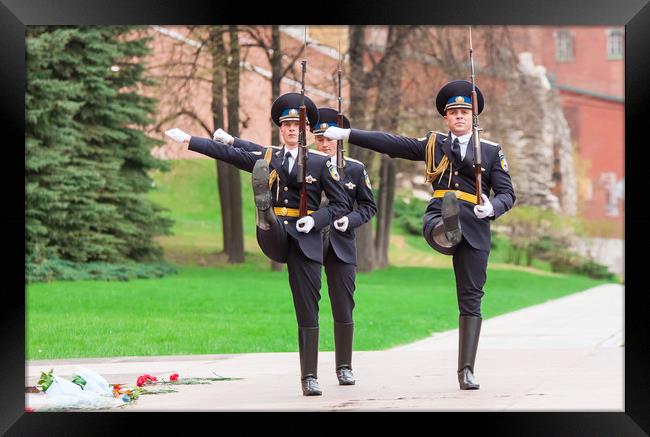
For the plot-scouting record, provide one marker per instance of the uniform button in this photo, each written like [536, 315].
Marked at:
[286, 222]
[455, 185]
[456, 173]
[286, 200]
[286, 188]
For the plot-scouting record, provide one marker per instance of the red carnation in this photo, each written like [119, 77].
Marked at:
[145, 379]
[173, 377]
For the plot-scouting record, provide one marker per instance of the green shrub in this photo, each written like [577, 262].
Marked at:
[57, 269]
[408, 214]
[595, 270]
[565, 261]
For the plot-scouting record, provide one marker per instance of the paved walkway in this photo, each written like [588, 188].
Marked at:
[563, 355]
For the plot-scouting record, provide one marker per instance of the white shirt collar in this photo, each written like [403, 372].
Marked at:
[294, 152]
[462, 139]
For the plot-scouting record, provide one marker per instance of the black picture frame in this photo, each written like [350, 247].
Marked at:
[634, 14]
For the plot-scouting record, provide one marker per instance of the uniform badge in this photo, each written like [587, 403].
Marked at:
[504, 163]
[333, 172]
[310, 179]
[365, 175]
[350, 185]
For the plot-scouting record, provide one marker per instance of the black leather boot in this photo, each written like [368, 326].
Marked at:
[343, 335]
[468, 335]
[308, 349]
[265, 217]
[451, 219]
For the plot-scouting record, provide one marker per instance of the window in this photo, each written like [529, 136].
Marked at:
[564, 46]
[615, 43]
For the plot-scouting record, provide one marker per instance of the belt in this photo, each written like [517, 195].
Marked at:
[288, 212]
[471, 198]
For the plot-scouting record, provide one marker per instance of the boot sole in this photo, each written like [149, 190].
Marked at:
[260, 180]
[451, 218]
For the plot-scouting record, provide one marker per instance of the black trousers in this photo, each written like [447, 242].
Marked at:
[304, 273]
[470, 269]
[340, 286]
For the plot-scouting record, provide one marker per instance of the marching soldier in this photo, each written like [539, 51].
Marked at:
[454, 224]
[281, 234]
[340, 244]
[339, 248]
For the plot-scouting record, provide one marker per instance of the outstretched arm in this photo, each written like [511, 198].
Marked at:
[249, 146]
[395, 146]
[241, 159]
[222, 136]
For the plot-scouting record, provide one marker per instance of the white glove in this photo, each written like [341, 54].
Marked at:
[178, 135]
[305, 224]
[223, 137]
[342, 224]
[336, 133]
[485, 210]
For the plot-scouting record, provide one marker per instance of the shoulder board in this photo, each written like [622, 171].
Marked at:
[353, 160]
[318, 152]
[432, 132]
[426, 136]
[443, 135]
[492, 143]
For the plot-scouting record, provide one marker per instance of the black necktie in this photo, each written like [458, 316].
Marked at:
[455, 150]
[285, 164]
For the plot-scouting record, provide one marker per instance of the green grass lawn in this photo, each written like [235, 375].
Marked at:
[248, 308]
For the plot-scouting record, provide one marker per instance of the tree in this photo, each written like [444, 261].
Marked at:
[184, 71]
[387, 109]
[384, 76]
[359, 84]
[226, 64]
[87, 156]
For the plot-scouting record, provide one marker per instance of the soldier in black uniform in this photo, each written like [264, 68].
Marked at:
[281, 234]
[339, 248]
[454, 224]
[340, 244]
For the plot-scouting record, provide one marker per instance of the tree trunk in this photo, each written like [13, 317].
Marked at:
[219, 57]
[357, 113]
[359, 85]
[276, 78]
[235, 237]
[385, 211]
[386, 118]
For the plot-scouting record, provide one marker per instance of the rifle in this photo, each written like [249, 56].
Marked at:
[340, 157]
[475, 128]
[303, 154]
